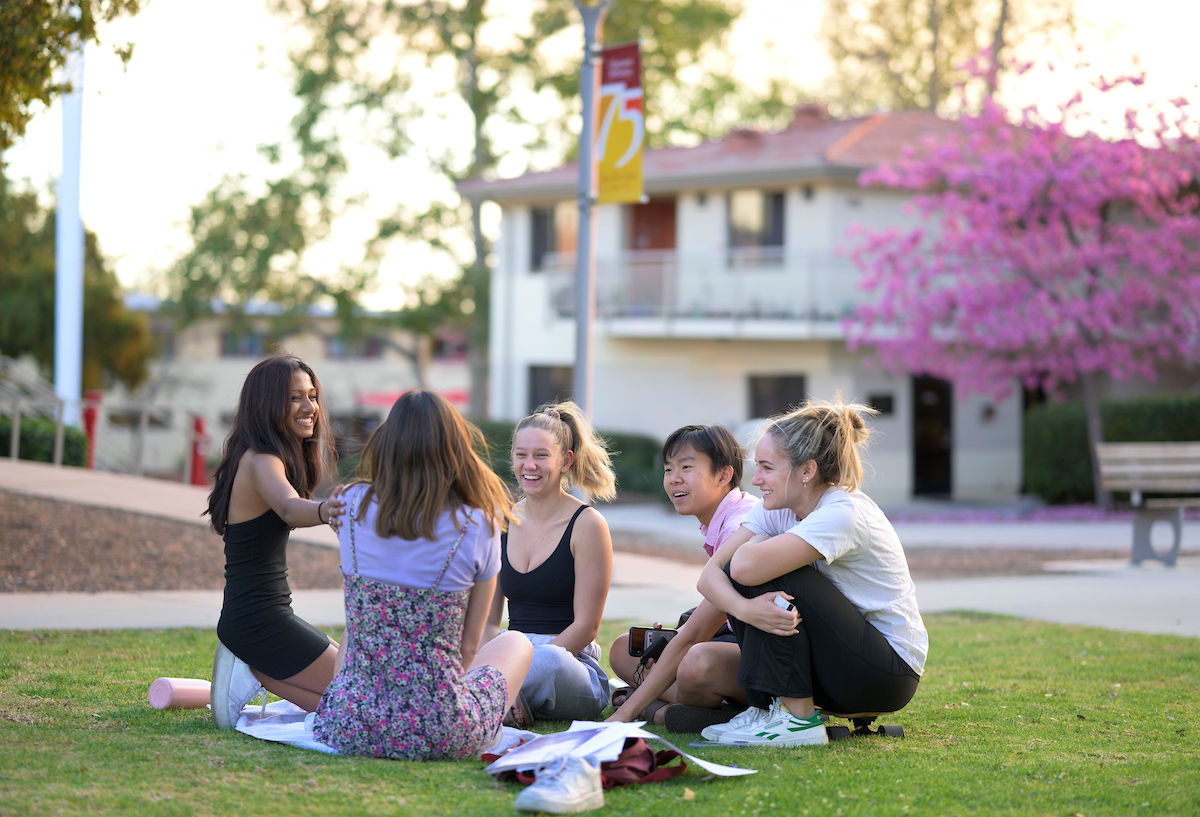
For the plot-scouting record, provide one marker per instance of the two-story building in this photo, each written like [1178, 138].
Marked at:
[723, 298]
[201, 368]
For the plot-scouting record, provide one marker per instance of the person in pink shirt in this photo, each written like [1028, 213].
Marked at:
[693, 684]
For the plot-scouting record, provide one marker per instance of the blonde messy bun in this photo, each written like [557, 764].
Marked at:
[830, 434]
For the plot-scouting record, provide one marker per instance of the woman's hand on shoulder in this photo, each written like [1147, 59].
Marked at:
[335, 508]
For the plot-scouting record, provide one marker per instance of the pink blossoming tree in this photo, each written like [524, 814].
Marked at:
[1047, 254]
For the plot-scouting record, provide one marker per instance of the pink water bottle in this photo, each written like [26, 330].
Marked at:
[179, 693]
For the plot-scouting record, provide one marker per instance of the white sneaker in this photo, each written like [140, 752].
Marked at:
[233, 686]
[564, 785]
[744, 719]
[779, 728]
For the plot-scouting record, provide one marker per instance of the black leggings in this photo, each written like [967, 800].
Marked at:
[838, 658]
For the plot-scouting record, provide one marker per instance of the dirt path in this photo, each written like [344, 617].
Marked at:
[50, 546]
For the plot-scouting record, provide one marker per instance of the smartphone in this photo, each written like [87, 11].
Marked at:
[641, 639]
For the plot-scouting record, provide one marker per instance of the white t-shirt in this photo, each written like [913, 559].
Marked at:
[416, 563]
[864, 560]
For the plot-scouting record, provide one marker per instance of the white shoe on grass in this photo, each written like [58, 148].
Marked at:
[563, 785]
[779, 728]
[233, 686]
[743, 719]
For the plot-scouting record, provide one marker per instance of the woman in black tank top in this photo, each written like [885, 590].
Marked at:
[277, 451]
[556, 564]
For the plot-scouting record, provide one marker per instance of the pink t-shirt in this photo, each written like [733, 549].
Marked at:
[726, 519]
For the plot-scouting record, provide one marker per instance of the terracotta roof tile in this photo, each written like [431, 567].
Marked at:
[813, 146]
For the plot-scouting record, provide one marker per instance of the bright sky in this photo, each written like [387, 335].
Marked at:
[208, 83]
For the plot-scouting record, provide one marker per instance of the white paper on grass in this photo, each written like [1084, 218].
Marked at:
[284, 722]
[598, 741]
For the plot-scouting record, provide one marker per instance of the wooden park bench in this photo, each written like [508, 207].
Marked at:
[1158, 468]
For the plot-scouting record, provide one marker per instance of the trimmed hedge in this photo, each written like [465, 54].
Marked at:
[37, 441]
[1058, 466]
[636, 462]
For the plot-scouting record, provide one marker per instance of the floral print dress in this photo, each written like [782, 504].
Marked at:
[402, 692]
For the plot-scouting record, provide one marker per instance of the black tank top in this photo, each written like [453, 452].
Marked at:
[542, 600]
[255, 568]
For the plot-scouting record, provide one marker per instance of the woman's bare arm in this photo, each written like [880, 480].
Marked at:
[700, 626]
[759, 612]
[479, 607]
[495, 614]
[759, 562]
[269, 479]
[591, 545]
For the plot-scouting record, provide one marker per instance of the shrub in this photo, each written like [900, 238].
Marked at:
[37, 441]
[1058, 466]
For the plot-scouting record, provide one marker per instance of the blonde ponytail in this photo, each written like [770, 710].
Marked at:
[831, 434]
[592, 467]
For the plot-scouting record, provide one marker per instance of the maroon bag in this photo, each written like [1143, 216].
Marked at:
[637, 763]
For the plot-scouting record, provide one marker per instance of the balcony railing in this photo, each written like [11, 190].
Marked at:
[742, 284]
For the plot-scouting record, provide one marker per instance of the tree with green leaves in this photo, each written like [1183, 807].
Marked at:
[116, 342]
[912, 54]
[36, 36]
[389, 61]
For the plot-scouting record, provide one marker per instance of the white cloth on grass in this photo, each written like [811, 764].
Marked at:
[284, 722]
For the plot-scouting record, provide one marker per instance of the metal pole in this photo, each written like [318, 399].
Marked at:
[139, 441]
[58, 432]
[14, 441]
[188, 437]
[585, 260]
[68, 281]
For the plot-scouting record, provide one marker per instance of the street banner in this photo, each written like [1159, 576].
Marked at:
[622, 128]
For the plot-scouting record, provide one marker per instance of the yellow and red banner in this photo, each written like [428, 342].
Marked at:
[622, 126]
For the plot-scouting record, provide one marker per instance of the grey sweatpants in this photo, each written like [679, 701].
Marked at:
[562, 686]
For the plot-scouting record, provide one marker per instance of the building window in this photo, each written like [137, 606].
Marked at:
[354, 348]
[550, 384]
[885, 404]
[554, 229]
[755, 227]
[775, 394]
[244, 344]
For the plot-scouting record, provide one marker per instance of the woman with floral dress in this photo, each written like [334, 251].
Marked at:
[420, 553]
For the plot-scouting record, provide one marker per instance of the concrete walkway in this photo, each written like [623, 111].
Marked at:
[650, 588]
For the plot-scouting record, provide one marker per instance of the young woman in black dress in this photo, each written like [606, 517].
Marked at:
[278, 450]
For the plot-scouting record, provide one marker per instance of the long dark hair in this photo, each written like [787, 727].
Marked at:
[420, 461]
[260, 424]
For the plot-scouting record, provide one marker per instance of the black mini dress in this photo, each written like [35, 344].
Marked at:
[257, 623]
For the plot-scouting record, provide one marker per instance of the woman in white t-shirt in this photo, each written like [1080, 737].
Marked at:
[855, 641]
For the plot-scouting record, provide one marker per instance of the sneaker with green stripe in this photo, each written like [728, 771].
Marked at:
[779, 728]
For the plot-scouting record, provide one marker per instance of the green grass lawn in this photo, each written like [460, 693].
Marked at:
[1013, 717]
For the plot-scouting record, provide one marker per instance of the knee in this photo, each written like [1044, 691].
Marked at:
[619, 648]
[516, 646]
[693, 671]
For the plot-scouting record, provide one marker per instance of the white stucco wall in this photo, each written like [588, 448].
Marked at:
[654, 384]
